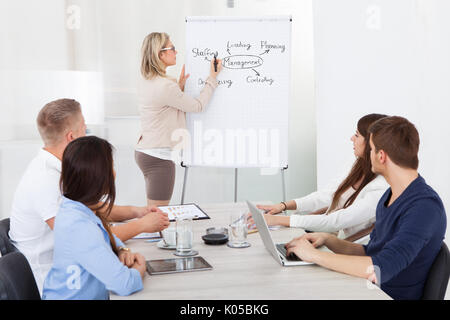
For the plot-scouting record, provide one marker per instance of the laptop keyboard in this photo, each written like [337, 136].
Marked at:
[282, 250]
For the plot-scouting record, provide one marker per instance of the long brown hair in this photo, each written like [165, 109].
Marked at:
[362, 168]
[87, 176]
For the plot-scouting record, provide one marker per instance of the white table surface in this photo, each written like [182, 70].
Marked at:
[250, 273]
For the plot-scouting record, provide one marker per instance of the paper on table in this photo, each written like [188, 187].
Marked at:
[145, 235]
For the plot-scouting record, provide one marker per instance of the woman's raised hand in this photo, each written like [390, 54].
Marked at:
[212, 72]
[182, 79]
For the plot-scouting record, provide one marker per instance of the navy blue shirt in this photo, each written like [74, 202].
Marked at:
[406, 239]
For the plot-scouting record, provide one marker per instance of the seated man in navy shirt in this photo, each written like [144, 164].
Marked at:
[410, 220]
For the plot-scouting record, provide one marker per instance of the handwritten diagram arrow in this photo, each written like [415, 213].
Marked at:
[228, 50]
[267, 51]
[256, 72]
[206, 58]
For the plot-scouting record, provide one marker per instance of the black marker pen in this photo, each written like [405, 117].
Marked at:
[215, 63]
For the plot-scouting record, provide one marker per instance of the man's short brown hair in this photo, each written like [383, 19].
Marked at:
[398, 138]
[55, 118]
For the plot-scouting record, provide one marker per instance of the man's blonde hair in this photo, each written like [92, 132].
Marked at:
[151, 64]
[56, 118]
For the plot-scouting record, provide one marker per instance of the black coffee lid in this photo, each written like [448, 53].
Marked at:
[215, 238]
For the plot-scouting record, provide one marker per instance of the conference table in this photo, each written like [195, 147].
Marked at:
[245, 273]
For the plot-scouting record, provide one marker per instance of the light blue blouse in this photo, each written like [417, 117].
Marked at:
[84, 264]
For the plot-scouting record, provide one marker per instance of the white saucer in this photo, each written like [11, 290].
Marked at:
[162, 245]
[243, 245]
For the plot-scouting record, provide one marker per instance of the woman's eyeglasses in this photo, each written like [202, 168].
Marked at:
[170, 48]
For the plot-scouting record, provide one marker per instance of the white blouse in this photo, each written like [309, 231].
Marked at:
[358, 216]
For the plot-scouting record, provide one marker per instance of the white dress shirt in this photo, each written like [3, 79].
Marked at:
[356, 217]
[36, 200]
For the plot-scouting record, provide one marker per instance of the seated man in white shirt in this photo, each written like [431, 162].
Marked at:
[38, 195]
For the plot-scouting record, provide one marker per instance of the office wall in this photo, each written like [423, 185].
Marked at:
[104, 36]
[387, 57]
[30, 38]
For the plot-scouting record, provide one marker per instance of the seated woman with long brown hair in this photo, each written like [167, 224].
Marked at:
[88, 259]
[347, 208]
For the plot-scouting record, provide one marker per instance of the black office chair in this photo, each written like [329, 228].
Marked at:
[5, 243]
[16, 278]
[437, 280]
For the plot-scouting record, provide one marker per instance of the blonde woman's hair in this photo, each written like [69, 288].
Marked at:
[56, 118]
[151, 64]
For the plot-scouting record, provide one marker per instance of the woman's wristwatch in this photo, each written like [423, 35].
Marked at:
[124, 249]
[285, 206]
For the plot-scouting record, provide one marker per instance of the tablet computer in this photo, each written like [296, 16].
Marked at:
[164, 266]
[189, 209]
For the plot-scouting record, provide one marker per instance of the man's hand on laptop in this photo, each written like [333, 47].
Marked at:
[305, 246]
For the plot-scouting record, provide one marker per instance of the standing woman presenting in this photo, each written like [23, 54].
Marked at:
[162, 107]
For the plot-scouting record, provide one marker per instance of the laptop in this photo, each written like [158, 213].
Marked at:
[278, 251]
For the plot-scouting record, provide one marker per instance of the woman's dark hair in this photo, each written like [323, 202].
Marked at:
[87, 176]
[362, 168]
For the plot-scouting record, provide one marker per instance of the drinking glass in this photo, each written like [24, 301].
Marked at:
[184, 237]
[238, 230]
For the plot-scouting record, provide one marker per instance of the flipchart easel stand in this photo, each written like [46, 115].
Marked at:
[186, 170]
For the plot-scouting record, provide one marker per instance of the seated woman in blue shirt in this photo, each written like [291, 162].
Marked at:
[88, 260]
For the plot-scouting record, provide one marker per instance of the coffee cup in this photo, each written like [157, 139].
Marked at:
[170, 236]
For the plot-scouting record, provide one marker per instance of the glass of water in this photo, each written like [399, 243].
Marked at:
[184, 237]
[237, 232]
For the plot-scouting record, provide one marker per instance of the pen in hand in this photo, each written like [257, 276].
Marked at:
[215, 62]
